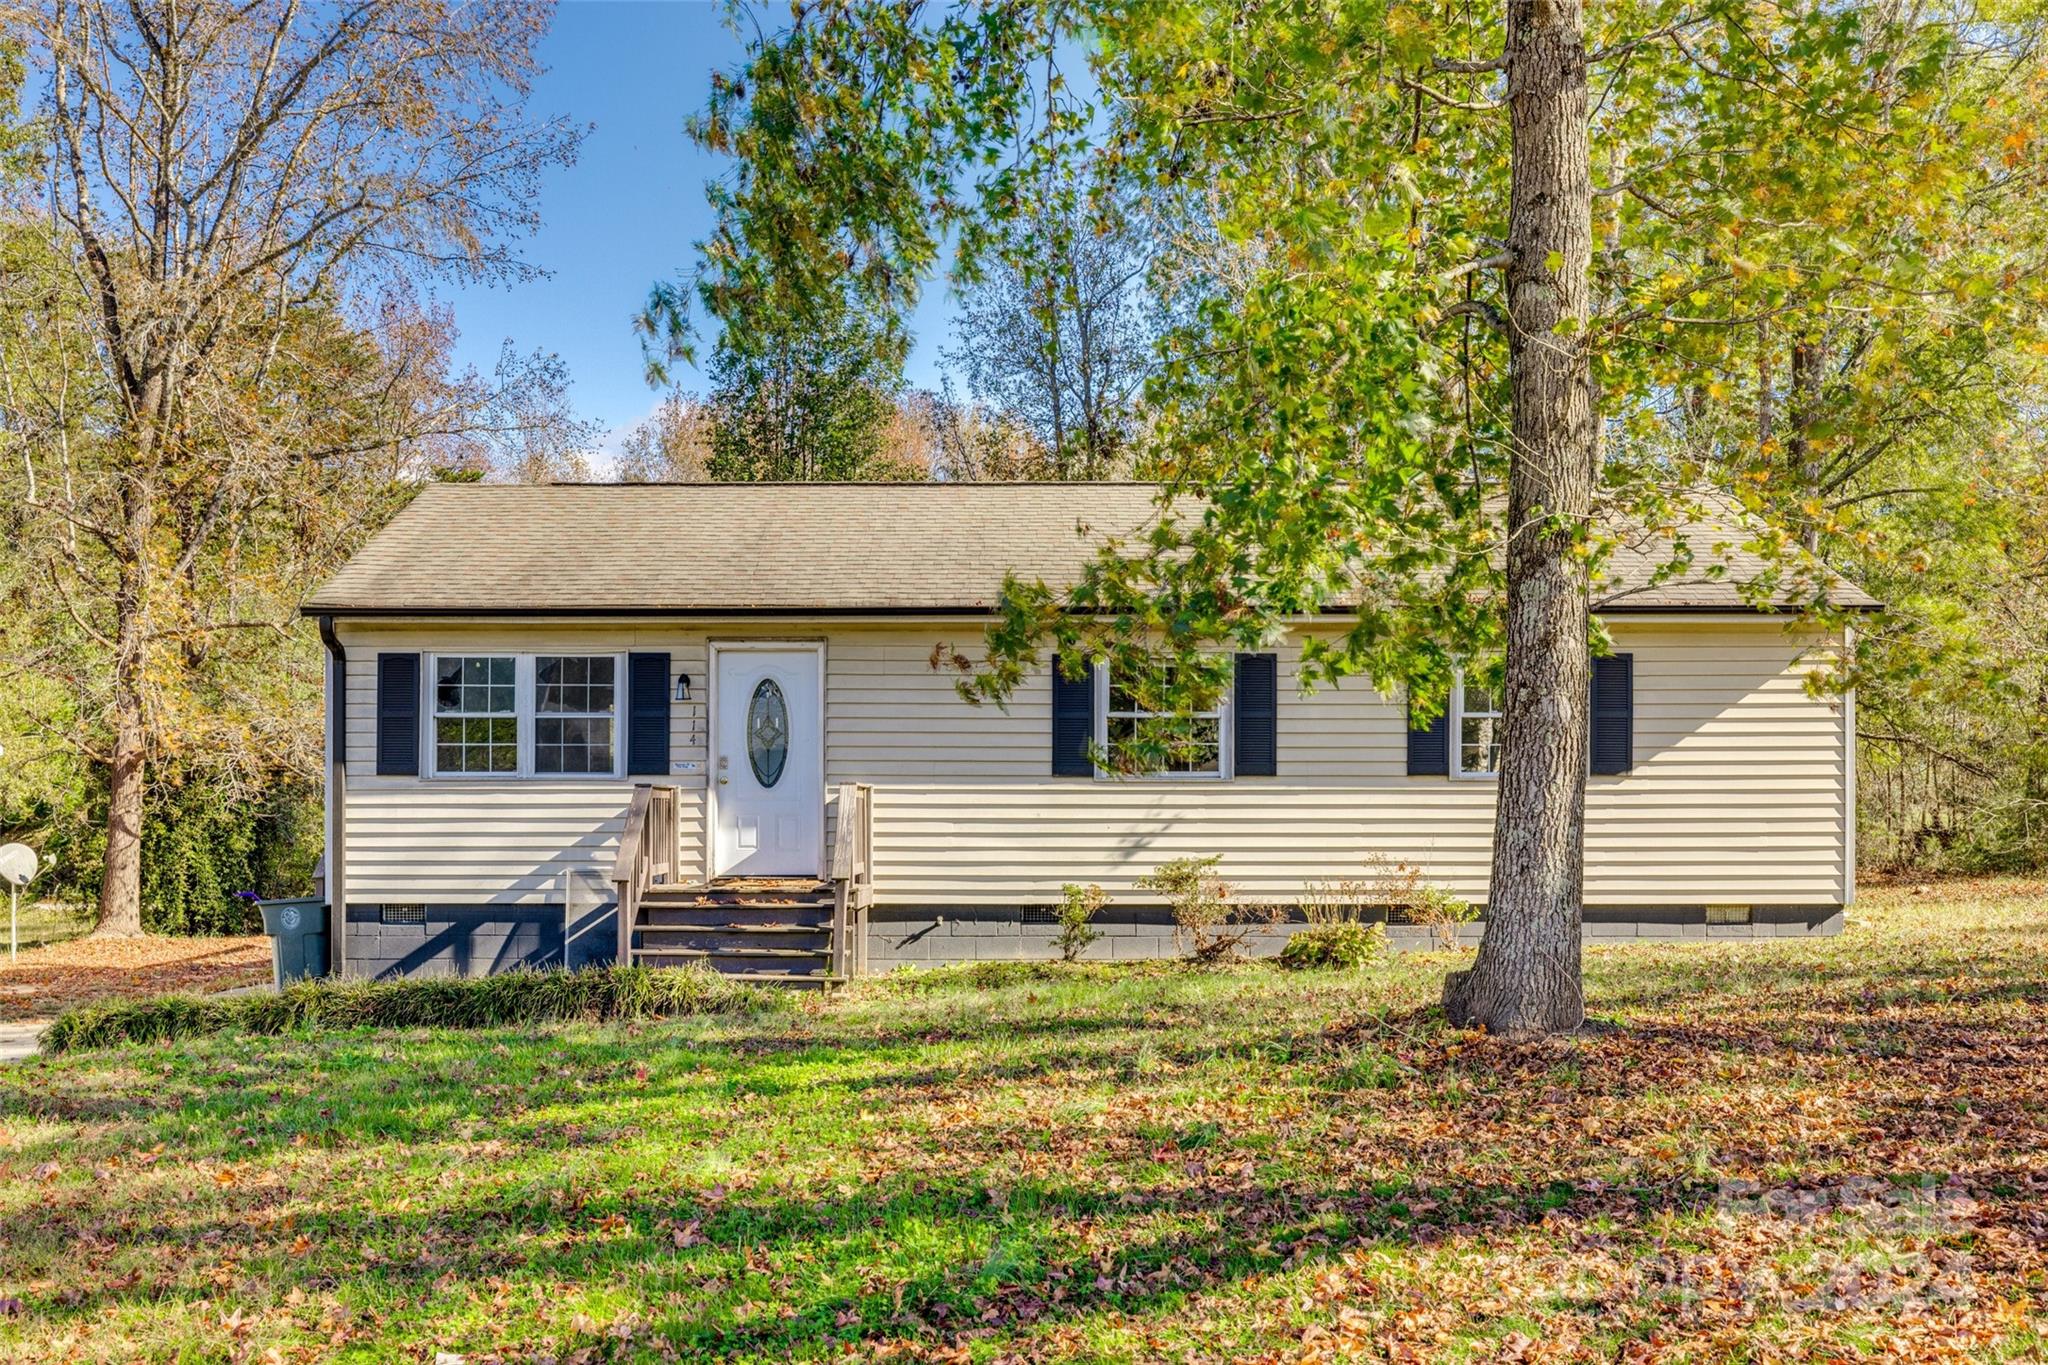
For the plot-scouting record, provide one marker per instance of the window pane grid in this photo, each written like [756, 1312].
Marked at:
[1200, 750]
[1479, 727]
[476, 714]
[575, 701]
[1195, 748]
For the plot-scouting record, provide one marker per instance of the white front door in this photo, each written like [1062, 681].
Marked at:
[767, 767]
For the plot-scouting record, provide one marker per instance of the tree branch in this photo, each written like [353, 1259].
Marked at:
[1478, 308]
[1471, 66]
[1500, 260]
[1451, 101]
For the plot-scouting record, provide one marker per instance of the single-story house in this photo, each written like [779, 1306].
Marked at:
[703, 722]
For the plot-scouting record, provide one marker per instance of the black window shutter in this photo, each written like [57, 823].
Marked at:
[1256, 715]
[1073, 722]
[1429, 746]
[647, 714]
[1614, 714]
[398, 715]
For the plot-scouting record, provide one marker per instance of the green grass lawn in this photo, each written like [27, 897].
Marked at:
[1790, 1150]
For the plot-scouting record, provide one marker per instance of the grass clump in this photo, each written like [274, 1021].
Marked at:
[595, 995]
[1346, 946]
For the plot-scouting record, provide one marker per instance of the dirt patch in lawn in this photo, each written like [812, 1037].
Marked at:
[45, 982]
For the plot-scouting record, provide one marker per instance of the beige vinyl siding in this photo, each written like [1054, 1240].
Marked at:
[1737, 793]
[469, 840]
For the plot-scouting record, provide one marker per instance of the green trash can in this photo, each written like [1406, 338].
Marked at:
[298, 938]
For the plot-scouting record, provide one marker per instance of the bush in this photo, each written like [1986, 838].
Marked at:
[1201, 908]
[1347, 946]
[1079, 905]
[1344, 901]
[595, 994]
[1442, 913]
[208, 853]
[1388, 887]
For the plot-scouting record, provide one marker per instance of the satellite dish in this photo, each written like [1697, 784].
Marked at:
[18, 864]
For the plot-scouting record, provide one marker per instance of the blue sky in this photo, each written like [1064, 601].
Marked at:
[626, 213]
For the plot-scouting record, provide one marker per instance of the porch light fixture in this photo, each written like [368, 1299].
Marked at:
[682, 687]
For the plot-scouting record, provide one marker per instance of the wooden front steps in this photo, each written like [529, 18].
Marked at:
[761, 929]
[798, 930]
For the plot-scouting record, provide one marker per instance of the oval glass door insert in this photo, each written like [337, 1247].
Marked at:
[767, 732]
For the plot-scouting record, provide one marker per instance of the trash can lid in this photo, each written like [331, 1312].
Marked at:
[292, 916]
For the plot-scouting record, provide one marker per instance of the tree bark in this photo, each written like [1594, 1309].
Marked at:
[1526, 981]
[120, 909]
[1802, 411]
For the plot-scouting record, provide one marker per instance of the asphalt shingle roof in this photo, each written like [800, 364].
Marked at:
[823, 548]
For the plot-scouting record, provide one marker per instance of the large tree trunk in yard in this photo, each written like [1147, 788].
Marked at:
[1526, 981]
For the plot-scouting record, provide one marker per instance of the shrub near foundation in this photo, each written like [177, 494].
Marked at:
[1206, 926]
[1347, 946]
[1079, 905]
[594, 995]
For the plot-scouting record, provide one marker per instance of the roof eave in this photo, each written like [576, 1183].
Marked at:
[501, 612]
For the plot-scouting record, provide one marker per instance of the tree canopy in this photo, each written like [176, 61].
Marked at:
[1478, 287]
[215, 373]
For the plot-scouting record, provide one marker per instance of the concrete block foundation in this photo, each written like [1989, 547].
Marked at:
[926, 936]
[417, 940]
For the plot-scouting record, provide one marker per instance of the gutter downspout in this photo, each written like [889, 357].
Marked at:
[337, 795]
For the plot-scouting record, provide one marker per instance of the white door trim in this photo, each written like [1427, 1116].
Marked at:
[752, 644]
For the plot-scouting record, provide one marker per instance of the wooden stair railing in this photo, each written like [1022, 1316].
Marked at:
[853, 879]
[648, 848]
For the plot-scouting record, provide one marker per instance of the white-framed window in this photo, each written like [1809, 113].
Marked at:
[1475, 729]
[1204, 757]
[575, 713]
[476, 713]
[524, 715]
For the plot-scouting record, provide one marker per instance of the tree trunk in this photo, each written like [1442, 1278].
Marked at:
[1526, 981]
[1802, 411]
[121, 878]
[2034, 782]
[120, 913]
[1765, 418]
[120, 909]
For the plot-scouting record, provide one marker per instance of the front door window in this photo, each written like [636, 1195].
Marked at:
[767, 732]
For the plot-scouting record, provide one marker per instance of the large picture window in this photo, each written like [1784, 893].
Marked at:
[1476, 723]
[514, 715]
[1198, 747]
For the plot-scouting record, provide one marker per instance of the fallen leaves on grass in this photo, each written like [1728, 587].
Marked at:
[47, 981]
[1786, 1151]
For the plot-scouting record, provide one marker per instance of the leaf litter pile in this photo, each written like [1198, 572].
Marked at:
[1793, 1150]
[44, 982]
